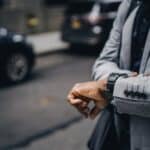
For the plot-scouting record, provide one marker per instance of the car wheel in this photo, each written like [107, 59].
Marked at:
[17, 67]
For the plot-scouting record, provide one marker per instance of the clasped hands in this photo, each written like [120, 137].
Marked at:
[83, 93]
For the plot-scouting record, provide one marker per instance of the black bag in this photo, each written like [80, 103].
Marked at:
[104, 136]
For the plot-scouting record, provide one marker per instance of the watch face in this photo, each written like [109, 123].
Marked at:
[108, 95]
[111, 81]
[114, 77]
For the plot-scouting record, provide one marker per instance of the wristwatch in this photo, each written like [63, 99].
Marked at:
[111, 83]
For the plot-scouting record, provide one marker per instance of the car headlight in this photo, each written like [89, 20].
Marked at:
[97, 29]
[3, 32]
[18, 38]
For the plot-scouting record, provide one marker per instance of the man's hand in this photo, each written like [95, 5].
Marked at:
[83, 93]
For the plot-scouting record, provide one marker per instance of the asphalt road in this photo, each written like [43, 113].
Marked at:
[37, 110]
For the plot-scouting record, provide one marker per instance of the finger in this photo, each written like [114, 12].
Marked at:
[94, 112]
[73, 101]
[70, 96]
[77, 94]
[86, 99]
[83, 109]
[84, 112]
[77, 103]
[84, 104]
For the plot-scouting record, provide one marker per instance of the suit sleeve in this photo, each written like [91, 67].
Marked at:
[132, 96]
[107, 62]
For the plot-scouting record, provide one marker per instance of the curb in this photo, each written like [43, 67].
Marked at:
[44, 43]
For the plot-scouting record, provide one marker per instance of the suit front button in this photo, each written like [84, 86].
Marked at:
[126, 93]
[130, 93]
[136, 94]
[143, 95]
[133, 94]
[139, 95]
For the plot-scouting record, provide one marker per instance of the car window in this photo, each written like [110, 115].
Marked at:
[82, 7]
[79, 7]
[109, 7]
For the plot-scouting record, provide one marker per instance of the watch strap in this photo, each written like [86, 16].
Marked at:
[111, 82]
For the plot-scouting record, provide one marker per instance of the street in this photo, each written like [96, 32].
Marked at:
[35, 115]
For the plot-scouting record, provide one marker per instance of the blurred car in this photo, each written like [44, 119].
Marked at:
[16, 56]
[89, 21]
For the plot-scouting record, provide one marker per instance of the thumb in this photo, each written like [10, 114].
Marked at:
[94, 112]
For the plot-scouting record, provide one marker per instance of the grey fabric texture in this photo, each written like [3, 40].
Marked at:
[132, 104]
[140, 133]
[107, 62]
[116, 59]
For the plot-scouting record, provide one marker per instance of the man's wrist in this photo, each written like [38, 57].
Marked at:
[112, 78]
[102, 84]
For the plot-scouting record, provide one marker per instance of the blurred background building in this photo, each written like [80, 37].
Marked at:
[31, 16]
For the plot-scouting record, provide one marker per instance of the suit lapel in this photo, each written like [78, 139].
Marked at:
[146, 54]
[125, 55]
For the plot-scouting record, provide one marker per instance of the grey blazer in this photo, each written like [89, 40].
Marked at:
[118, 59]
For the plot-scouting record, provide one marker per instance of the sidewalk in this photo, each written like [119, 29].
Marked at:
[47, 42]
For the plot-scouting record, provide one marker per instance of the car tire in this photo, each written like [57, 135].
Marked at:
[17, 67]
[76, 47]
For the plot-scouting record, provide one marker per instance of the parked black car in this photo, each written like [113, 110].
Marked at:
[16, 56]
[89, 21]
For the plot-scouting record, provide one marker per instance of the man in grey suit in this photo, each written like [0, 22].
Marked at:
[127, 51]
